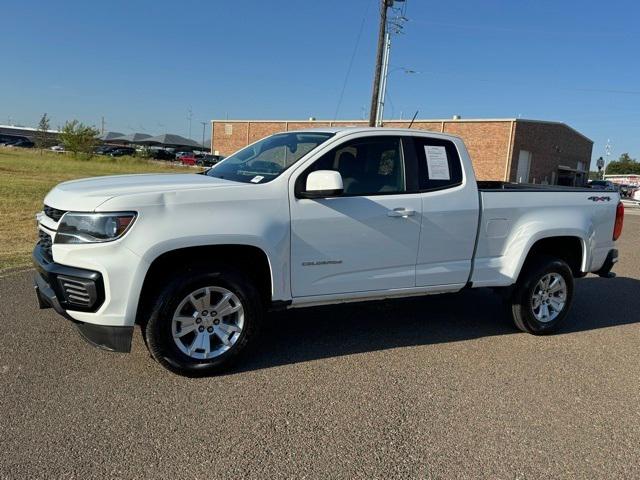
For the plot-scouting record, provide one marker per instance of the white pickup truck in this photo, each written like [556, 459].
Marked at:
[308, 218]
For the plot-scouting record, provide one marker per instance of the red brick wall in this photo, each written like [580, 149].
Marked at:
[491, 143]
[488, 144]
[551, 145]
[261, 130]
[227, 144]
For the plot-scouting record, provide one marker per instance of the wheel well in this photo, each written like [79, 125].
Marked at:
[568, 249]
[249, 259]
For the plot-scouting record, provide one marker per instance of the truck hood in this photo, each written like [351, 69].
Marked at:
[89, 193]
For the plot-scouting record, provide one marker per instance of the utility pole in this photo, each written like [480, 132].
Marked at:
[189, 117]
[102, 125]
[204, 125]
[382, 30]
[382, 58]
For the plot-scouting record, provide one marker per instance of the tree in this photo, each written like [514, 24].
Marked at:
[624, 165]
[42, 134]
[79, 139]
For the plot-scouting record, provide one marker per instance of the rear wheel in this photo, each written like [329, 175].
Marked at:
[203, 322]
[542, 296]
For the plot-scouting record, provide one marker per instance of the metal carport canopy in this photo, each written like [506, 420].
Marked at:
[132, 138]
[107, 136]
[170, 140]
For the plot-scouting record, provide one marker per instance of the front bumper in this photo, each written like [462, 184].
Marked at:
[67, 288]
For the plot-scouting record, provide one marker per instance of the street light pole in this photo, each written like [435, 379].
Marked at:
[383, 91]
[385, 72]
[607, 152]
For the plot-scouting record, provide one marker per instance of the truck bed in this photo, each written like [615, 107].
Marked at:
[512, 220]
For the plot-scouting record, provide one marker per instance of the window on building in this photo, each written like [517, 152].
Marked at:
[228, 129]
[524, 165]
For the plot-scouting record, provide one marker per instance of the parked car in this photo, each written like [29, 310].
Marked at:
[105, 149]
[181, 154]
[208, 160]
[309, 218]
[162, 154]
[627, 190]
[57, 148]
[188, 159]
[602, 185]
[21, 142]
[122, 151]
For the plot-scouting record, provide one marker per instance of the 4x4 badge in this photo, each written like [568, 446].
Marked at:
[599, 199]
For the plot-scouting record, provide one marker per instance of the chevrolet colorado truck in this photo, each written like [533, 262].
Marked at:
[308, 218]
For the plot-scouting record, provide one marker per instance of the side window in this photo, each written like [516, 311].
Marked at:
[368, 166]
[438, 163]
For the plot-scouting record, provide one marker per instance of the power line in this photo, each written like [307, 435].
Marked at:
[591, 33]
[518, 84]
[353, 56]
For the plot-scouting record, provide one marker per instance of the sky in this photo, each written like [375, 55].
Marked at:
[144, 65]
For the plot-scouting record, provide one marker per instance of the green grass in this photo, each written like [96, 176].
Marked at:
[25, 178]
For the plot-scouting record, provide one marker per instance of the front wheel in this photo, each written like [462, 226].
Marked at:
[203, 321]
[542, 296]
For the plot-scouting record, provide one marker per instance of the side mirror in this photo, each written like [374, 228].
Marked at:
[323, 183]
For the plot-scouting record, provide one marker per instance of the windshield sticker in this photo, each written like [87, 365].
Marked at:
[437, 163]
[257, 179]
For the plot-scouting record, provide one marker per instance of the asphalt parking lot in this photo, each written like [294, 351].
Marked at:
[434, 387]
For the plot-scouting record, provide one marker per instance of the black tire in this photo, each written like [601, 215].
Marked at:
[521, 300]
[158, 329]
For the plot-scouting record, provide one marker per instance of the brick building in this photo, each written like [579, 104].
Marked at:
[513, 150]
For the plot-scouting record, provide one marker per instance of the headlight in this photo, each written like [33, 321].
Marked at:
[93, 227]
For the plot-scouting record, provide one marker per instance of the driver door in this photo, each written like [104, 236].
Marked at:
[365, 239]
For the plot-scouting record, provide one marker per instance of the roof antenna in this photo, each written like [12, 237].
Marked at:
[414, 117]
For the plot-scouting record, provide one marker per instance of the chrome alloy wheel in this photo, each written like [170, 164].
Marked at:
[549, 297]
[207, 322]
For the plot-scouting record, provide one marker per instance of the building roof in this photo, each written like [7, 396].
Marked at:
[26, 129]
[421, 120]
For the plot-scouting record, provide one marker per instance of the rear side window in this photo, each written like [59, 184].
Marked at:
[438, 163]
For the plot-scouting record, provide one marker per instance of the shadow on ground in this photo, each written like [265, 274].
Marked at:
[314, 333]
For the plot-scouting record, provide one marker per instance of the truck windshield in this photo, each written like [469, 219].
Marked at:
[265, 160]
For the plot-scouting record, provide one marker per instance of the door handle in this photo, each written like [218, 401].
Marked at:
[401, 212]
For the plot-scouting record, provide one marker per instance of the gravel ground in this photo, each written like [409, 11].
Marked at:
[434, 387]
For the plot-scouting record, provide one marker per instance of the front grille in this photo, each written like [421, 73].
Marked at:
[78, 291]
[53, 213]
[44, 240]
